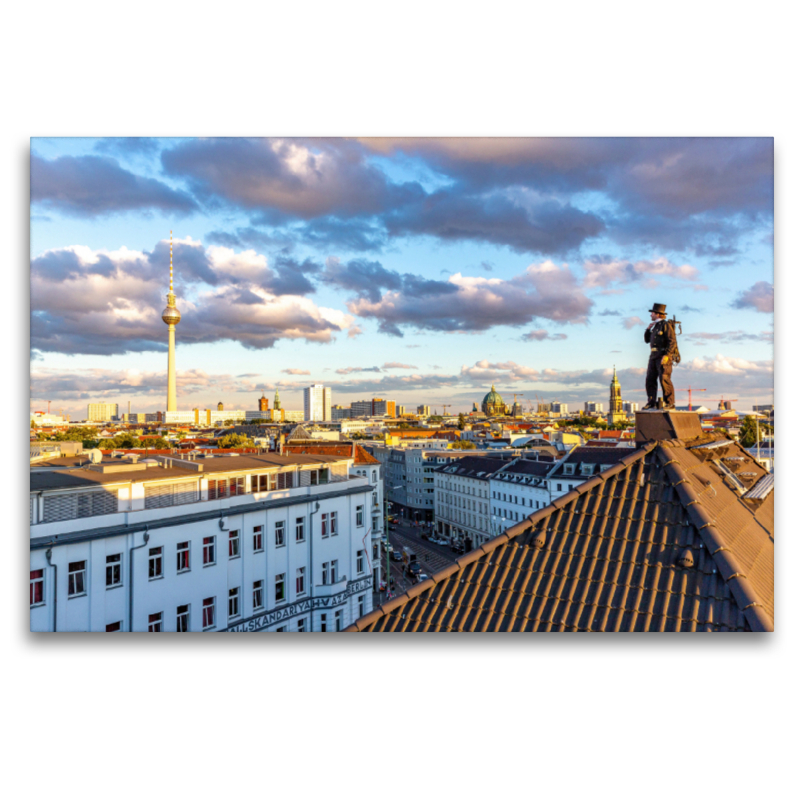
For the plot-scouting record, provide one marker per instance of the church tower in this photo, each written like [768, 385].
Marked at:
[615, 412]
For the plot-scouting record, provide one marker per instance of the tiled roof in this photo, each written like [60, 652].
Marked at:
[344, 449]
[662, 541]
[527, 466]
[477, 467]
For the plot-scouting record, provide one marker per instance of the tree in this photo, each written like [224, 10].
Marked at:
[234, 440]
[749, 435]
[462, 421]
[463, 444]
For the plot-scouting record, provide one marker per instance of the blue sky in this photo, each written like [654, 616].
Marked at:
[421, 270]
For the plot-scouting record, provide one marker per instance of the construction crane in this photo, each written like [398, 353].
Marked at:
[514, 407]
[690, 390]
[445, 406]
[722, 402]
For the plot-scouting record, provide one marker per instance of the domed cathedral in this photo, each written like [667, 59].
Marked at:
[615, 412]
[493, 405]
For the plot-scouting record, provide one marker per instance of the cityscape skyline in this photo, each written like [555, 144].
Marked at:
[379, 255]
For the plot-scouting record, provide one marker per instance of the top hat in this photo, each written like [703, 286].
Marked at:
[658, 308]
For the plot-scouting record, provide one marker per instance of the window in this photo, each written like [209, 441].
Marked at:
[338, 616]
[113, 571]
[301, 625]
[154, 623]
[301, 580]
[155, 566]
[233, 544]
[360, 562]
[233, 603]
[314, 477]
[359, 516]
[324, 524]
[263, 483]
[237, 486]
[77, 579]
[114, 627]
[217, 489]
[258, 538]
[374, 552]
[258, 595]
[558, 487]
[209, 550]
[37, 587]
[182, 619]
[325, 573]
[280, 587]
[334, 567]
[300, 529]
[280, 539]
[208, 612]
[333, 523]
[183, 557]
[282, 629]
[323, 623]
[361, 605]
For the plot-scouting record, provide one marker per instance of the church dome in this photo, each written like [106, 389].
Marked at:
[492, 398]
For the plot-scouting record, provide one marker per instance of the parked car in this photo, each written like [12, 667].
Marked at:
[396, 556]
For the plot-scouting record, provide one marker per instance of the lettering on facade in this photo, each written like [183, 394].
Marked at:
[269, 618]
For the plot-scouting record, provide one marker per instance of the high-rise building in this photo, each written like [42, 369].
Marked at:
[401, 411]
[593, 408]
[171, 317]
[361, 408]
[316, 403]
[339, 412]
[263, 403]
[383, 408]
[561, 409]
[102, 412]
[425, 411]
[629, 407]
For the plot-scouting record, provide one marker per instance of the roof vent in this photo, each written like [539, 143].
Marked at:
[539, 538]
[686, 559]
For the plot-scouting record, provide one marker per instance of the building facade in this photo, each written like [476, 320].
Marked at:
[463, 501]
[102, 412]
[592, 408]
[616, 412]
[225, 543]
[316, 403]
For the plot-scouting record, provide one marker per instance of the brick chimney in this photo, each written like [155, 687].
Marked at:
[653, 426]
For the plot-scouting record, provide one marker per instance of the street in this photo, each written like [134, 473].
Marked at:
[431, 557]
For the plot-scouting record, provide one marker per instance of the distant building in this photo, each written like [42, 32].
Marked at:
[263, 403]
[560, 409]
[401, 411]
[293, 416]
[361, 408]
[339, 413]
[593, 408]
[492, 404]
[629, 407]
[425, 411]
[383, 408]
[767, 409]
[316, 403]
[102, 412]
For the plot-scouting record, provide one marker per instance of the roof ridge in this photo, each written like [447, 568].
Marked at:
[730, 569]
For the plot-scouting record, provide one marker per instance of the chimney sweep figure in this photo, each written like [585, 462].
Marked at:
[660, 335]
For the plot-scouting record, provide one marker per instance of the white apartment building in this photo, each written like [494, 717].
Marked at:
[316, 402]
[225, 543]
[463, 499]
[593, 408]
[102, 412]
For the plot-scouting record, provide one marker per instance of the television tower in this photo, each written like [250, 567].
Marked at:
[171, 317]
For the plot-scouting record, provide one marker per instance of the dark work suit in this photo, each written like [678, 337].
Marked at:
[662, 343]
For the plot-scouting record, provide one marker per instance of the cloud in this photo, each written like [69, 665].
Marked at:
[602, 271]
[90, 186]
[397, 365]
[759, 297]
[728, 365]
[365, 278]
[731, 336]
[104, 302]
[475, 304]
[541, 334]
[487, 265]
[296, 177]
[349, 370]
[354, 331]
[296, 371]
[632, 322]
[609, 313]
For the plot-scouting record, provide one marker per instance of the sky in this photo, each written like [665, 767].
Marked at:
[417, 270]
